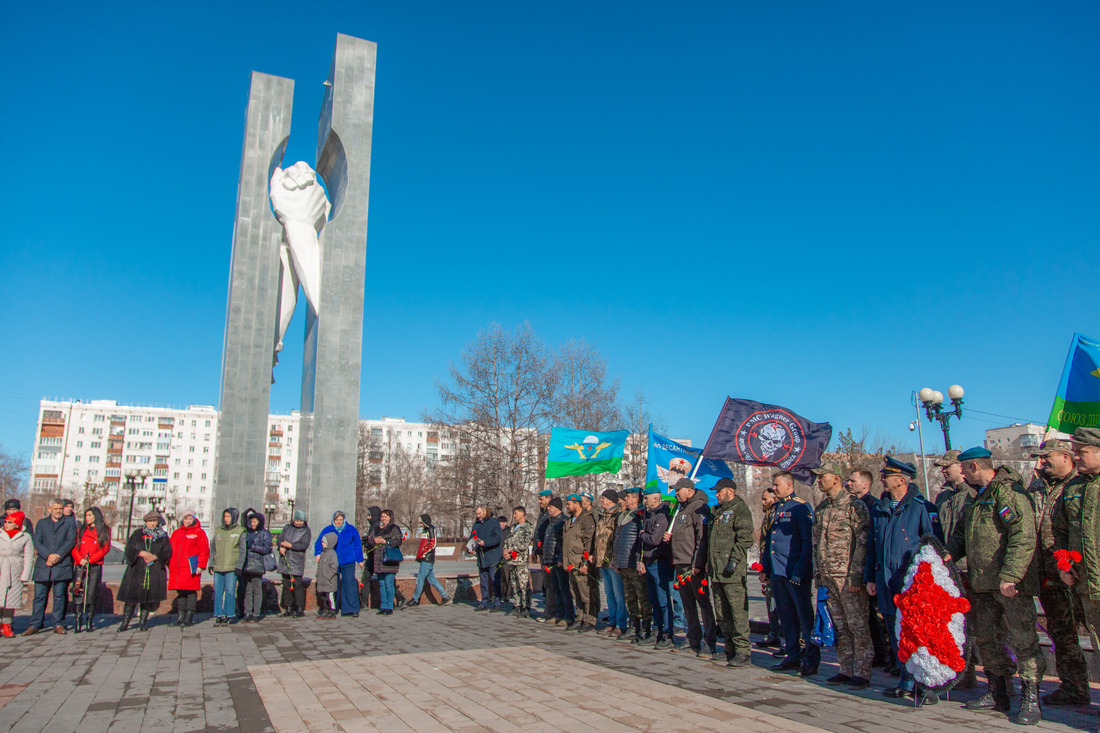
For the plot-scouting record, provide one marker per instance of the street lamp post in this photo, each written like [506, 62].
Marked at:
[932, 400]
[132, 477]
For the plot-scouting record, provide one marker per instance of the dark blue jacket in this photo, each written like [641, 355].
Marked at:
[895, 535]
[488, 531]
[54, 538]
[789, 549]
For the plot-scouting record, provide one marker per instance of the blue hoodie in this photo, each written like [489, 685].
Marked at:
[349, 546]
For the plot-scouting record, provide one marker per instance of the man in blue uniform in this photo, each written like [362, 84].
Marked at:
[788, 568]
[898, 522]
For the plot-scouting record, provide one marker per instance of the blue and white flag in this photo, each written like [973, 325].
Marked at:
[668, 462]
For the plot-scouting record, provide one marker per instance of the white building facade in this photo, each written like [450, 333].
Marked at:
[1017, 440]
[88, 449]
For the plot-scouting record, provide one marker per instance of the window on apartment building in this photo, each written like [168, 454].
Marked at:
[150, 418]
[204, 462]
[290, 441]
[191, 449]
[188, 477]
[133, 431]
[290, 428]
[206, 436]
[206, 449]
[179, 435]
[376, 431]
[97, 431]
[76, 459]
[177, 462]
[194, 423]
[93, 473]
[96, 444]
[76, 472]
[207, 423]
[80, 444]
[80, 431]
[93, 459]
[204, 477]
[190, 461]
[176, 475]
[287, 464]
[99, 418]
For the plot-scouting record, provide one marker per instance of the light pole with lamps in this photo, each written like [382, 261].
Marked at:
[932, 400]
[132, 477]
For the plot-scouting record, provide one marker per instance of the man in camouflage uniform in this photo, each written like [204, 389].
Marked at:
[516, 549]
[626, 553]
[577, 548]
[955, 495]
[1076, 525]
[841, 524]
[727, 557]
[1060, 605]
[998, 535]
[858, 487]
[613, 589]
[775, 631]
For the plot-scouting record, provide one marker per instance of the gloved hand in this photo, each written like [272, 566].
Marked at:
[730, 569]
[795, 580]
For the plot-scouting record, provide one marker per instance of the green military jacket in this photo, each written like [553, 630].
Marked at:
[578, 539]
[951, 502]
[997, 535]
[841, 525]
[1076, 524]
[730, 539]
[1045, 493]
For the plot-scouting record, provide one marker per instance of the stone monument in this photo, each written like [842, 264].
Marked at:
[302, 237]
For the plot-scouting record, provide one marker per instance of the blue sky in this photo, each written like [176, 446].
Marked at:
[819, 205]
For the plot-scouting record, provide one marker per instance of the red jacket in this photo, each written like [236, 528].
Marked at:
[87, 546]
[187, 542]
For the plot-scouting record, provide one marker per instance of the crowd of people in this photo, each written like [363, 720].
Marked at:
[660, 568]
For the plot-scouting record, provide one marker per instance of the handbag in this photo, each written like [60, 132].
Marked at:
[269, 562]
[392, 556]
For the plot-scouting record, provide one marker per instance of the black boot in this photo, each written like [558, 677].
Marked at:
[89, 622]
[79, 623]
[185, 618]
[178, 620]
[143, 620]
[127, 616]
[1030, 713]
[995, 698]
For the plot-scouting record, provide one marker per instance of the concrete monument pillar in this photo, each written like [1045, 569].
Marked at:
[321, 243]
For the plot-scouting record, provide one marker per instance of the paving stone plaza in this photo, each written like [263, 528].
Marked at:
[433, 668]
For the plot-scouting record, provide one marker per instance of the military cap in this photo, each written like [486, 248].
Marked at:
[971, 454]
[725, 483]
[1051, 446]
[1087, 436]
[573, 497]
[650, 490]
[892, 466]
[821, 471]
[950, 458]
[684, 483]
[632, 490]
[546, 492]
[610, 494]
[586, 495]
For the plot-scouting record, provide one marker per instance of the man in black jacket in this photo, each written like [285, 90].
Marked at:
[656, 564]
[554, 568]
[486, 538]
[54, 539]
[541, 524]
[688, 537]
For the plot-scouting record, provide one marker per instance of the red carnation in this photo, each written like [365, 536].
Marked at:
[703, 582]
[546, 568]
[570, 568]
[1075, 556]
[756, 567]
[514, 554]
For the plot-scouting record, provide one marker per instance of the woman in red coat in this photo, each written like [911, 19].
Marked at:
[190, 553]
[93, 540]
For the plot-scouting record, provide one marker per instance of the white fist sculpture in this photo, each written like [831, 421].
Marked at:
[302, 208]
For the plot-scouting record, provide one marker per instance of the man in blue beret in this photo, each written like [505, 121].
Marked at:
[541, 524]
[899, 520]
[997, 536]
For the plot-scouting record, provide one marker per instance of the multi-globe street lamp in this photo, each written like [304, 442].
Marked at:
[932, 400]
[132, 477]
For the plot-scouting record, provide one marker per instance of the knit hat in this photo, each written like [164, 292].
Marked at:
[189, 512]
[11, 504]
[610, 494]
[556, 502]
[426, 519]
[299, 516]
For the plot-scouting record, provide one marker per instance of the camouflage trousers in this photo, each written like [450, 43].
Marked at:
[1063, 611]
[519, 585]
[994, 616]
[731, 611]
[636, 595]
[850, 611]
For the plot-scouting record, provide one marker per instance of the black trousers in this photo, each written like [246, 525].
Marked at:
[85, 599]
[294, 593]
[186, 601]
[697, 608]
[796, 609]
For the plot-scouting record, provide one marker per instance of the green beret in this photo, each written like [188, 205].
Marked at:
[573, 497]
[546, 492]
[651, 490]
[632, 490]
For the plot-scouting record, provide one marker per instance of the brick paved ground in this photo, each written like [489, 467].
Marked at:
[426, 669]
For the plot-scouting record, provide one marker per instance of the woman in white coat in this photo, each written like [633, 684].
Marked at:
[16, 567]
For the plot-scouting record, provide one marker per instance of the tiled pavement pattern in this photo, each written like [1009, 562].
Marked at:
[430, 669]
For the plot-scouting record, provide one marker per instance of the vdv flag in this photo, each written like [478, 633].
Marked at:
[1077, 403]
[768, 435]
[668, 462]
[579, 452]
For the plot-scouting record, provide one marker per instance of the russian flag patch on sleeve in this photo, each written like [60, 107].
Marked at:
[1007, 515]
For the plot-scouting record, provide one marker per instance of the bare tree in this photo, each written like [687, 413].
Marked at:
[498, 402]
[13, 475]
[636, 418]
